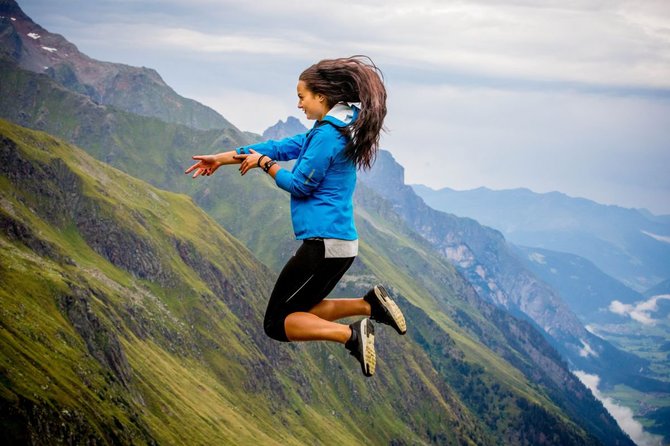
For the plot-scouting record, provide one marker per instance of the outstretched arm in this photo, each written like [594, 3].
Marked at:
[207, 164]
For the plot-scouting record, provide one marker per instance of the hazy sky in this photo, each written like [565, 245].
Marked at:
[567, 95]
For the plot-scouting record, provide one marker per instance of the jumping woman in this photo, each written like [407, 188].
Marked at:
[347, 98]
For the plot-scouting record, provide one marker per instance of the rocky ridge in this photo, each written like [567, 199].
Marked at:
[137, 90]
[484, 258]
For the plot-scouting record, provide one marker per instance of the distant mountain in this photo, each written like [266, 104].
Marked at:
[630, 245]
[484, 257]
[585, 288]
[138, 90]
[282, 129]
[661, 288]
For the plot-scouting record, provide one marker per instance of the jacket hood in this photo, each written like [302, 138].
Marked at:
[342, 114]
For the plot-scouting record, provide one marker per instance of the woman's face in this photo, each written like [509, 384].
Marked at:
[314, 105]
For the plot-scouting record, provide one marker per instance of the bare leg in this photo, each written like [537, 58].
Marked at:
[302, 326]
[317, 325]
[334, 309]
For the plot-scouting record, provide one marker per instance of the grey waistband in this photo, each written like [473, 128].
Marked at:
[336, 248]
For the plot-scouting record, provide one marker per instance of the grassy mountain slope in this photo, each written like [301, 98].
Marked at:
[508, 359]
[148, 148]
[36, 101]
[121, 323]
[136, 322]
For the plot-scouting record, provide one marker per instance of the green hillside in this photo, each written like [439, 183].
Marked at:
[129, 316]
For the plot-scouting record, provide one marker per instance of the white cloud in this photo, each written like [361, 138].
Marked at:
[622, 414]
[241, 107]
[640, 311]
[660, 238]
[586, 350]
[150, 36]
[472, 136]
[615, 43]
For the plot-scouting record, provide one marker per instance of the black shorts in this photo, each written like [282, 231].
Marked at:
[307, 278]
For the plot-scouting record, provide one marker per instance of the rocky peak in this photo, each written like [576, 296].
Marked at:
[11, 8]
[282, 129]
[386, 174]
[139, 90]
[27, 43]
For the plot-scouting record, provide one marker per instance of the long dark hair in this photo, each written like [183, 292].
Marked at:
[353, 79]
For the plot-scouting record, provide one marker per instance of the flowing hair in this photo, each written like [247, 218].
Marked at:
[353, 79]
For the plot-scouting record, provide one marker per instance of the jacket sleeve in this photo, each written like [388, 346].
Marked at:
[282, 150]
[312, 168]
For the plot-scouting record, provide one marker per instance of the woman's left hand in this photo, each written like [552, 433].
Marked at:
[248, 161]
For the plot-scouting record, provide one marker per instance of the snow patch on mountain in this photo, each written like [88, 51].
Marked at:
[537, 258]
[49, 49]
[34, 36]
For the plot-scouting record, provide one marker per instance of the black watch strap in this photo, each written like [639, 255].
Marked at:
[268, 165]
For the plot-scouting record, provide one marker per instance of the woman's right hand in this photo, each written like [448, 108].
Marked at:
[206, 165]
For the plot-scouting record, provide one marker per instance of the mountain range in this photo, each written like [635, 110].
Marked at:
[132, 316]
[587, 290]
[630, 245]
[601, 261]
[499, 275]
[134, 319]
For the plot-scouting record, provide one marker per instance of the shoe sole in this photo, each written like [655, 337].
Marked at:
[385, 300]
[368, 342]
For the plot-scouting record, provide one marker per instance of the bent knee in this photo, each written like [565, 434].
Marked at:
[274, 328]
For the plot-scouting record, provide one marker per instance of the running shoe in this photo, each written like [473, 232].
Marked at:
[362, 345]
[384, 310]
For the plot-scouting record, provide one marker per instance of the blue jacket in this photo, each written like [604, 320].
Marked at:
[322, 181]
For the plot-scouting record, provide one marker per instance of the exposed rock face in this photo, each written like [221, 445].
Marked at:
[102, 343]
[61, 199]
[15, 229]
[481, 253]
[627, 244]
